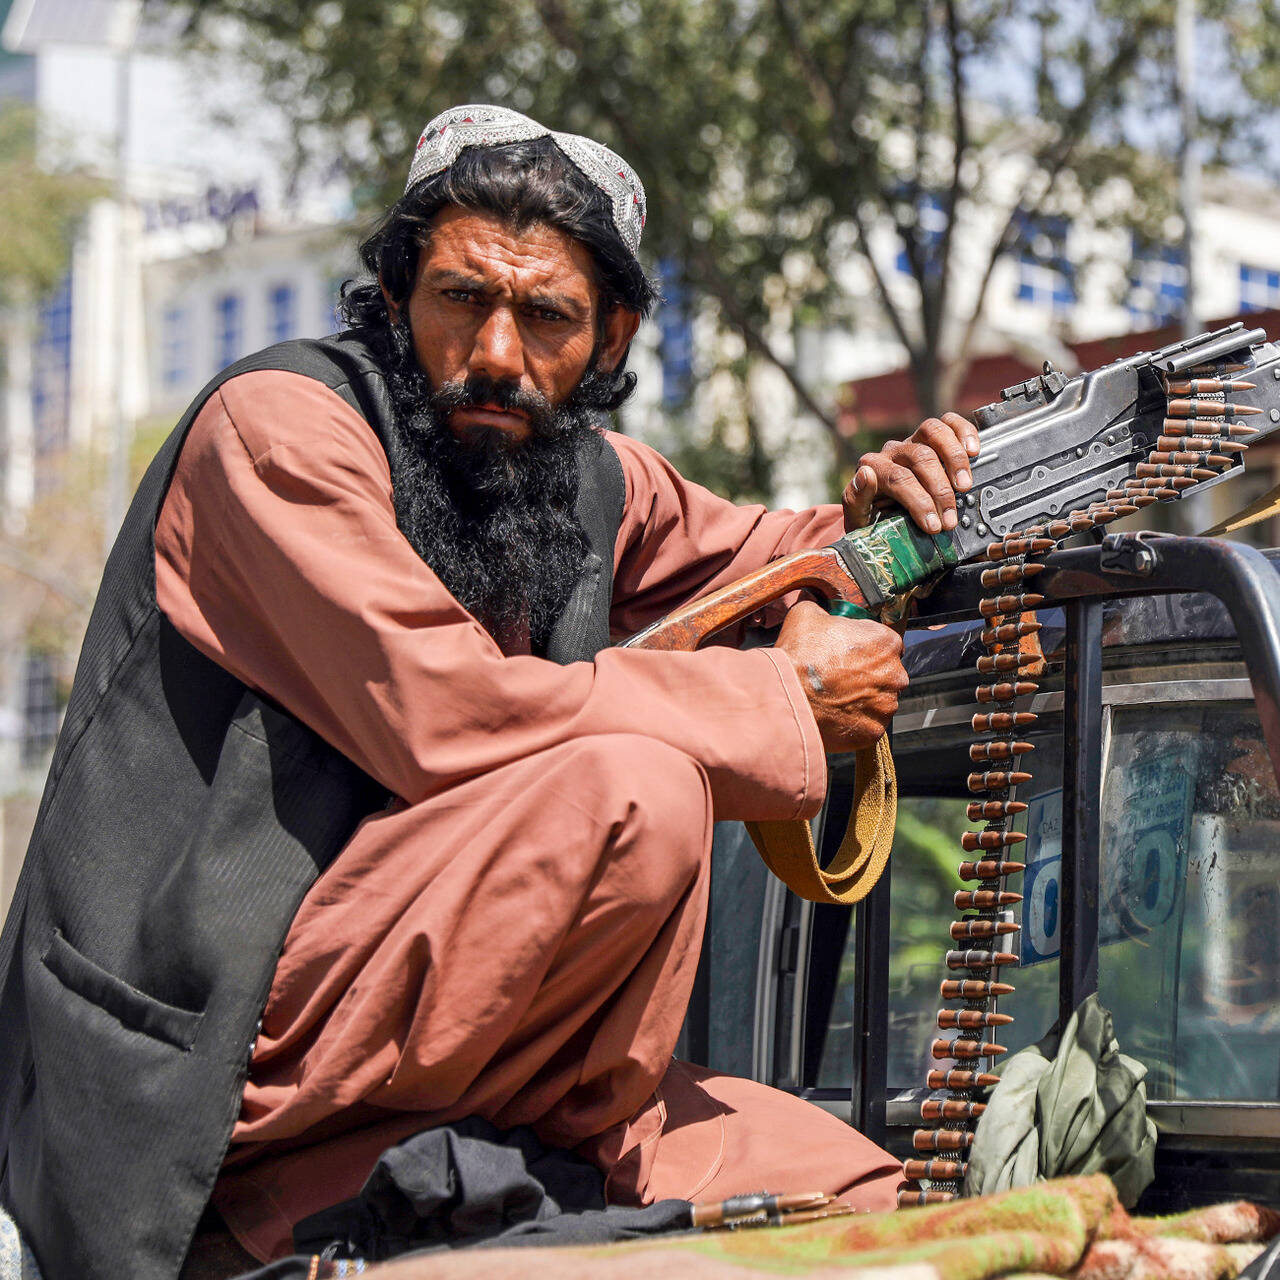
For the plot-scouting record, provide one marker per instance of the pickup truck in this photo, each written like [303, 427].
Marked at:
[1153, 868]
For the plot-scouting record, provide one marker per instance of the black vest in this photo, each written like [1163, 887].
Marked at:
[182, 822]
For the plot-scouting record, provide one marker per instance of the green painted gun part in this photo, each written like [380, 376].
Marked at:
[897, 555]
[847, 609]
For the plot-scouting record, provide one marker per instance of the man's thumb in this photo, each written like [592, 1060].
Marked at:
[858, 497]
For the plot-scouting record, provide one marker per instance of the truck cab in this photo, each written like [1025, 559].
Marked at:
[1152, 869]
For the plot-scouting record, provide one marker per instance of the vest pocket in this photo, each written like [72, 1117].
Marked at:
[129, 1006]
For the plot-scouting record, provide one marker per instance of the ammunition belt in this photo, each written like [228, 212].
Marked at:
[1200, 440]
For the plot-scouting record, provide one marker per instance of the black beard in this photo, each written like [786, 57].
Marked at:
[492, 516]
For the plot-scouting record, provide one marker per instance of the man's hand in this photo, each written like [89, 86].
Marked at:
[920, 474]
[851, 672]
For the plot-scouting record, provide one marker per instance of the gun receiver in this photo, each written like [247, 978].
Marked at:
[1053, 445]
[1056, 452]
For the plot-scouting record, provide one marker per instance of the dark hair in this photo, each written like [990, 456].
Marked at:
[523, 183]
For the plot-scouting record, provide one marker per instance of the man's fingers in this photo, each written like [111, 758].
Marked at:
[859, 494]
[922, 474]
[918, 481]
[965, 431]
[948, 437]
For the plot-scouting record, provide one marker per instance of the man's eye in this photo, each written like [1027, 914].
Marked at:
[549, 314]
[460, 295]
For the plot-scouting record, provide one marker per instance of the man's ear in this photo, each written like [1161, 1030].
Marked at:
[619, 327]
[393, 307]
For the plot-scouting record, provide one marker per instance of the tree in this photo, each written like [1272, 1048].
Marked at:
[39, 210]
[49, 565]
[790, 147]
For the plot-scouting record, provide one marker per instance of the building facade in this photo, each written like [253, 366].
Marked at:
[204, 246]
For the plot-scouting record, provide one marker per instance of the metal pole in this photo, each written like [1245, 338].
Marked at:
[1195, 513]
[869, 1093]
[1188, 157]
[122, 425]
[1081, 794]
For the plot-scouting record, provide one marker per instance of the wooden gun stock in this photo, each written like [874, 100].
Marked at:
[687, 628]
[892, 557]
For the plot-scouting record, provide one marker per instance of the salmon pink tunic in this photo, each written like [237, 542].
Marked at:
[515, 935]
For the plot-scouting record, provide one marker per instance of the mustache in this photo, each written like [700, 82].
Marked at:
[482, 391]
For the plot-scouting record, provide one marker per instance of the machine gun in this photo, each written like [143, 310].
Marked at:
[1059, 456]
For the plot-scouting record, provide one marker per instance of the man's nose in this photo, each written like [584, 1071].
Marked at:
[498, 350]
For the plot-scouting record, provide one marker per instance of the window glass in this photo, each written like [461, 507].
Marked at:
[926, 854]
[1157, 284]
[1045, 274]
[175, 342]
[731, 948]
[1259, 288]
[1190, 900]
[228, 329]
[282, 312]
[675, 337]
[930, 229]
[1189, 911]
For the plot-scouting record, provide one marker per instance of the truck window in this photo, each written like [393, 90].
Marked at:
[1190, 902]
[1189, 911]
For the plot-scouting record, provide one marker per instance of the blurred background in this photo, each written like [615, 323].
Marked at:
[861, 212]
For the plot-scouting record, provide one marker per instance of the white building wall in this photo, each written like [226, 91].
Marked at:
[182, 164]
[19, 454]
[311, 263]
[1245, 231]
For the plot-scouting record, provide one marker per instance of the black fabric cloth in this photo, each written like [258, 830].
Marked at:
[183, 820]
[471, 1185]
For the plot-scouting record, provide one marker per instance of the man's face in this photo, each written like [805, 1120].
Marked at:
[518, 307]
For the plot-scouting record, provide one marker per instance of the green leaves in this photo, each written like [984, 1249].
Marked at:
[38, 210]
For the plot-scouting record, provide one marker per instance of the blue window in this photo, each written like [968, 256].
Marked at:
[175, 347]
[51, 371]
[1046, 277]
[1259, 288]
[675, 337]
[228, 333]
[1157, 284]
[282, 312]
[931, 225]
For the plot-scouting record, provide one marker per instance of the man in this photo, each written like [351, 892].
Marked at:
[356, 827]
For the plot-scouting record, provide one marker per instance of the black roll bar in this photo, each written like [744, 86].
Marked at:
[1131, 564]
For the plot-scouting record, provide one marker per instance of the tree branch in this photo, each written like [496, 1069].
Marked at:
[1051, 162]
[818, 79]
[708, 275]
[700, 260]
[959, 154]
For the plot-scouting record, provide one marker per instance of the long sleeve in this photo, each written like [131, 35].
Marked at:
[679, 541]
[278, 556]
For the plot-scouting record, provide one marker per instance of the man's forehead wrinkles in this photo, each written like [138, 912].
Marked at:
[532, 278]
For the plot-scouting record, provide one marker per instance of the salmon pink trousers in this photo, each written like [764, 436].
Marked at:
[520, 947]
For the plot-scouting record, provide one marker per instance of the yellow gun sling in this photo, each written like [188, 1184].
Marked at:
[788, 850]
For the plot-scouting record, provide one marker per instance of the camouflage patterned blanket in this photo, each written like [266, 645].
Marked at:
[1072, 1227]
